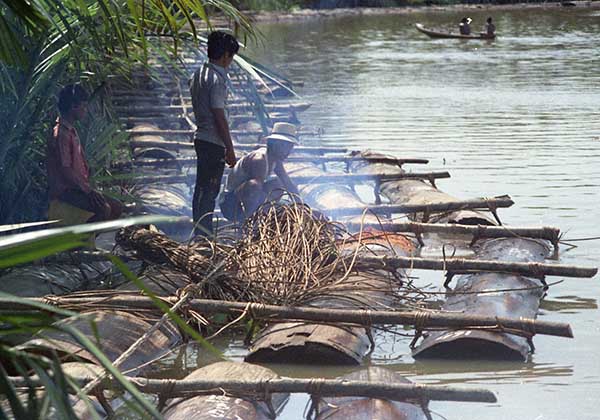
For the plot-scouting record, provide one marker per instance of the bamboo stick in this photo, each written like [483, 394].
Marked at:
[421, 319]
[467, 265]
[316, 386]
[176, 145]
[480, 231]
[478, 203]
[183, 133]
[298, 180]
[300, 159]
[231, 107]
[189, 132]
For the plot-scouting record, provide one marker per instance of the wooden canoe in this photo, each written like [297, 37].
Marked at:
[359, 408]
[436, 34]
[227, 406]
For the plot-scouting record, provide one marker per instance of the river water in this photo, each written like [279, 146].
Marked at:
[518, 116]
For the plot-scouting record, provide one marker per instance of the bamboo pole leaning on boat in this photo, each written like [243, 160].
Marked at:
[188, 161]
[548, 233]
[345, 179]
[363, 317]
[269, 384]
[173, 145]
[460, 265]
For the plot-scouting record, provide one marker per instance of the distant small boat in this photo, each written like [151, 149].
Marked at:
[436, 34]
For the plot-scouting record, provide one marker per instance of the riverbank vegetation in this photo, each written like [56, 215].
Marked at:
[295, 5]
[46, 45]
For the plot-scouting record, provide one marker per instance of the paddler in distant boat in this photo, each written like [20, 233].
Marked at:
[250, 184]
[490, 28]
[464, 26]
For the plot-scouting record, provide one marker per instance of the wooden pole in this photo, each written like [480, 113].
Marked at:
[421, 319]
[478, 203]
[302, 133]
[480, 231]
[150, 110]
[315, 386]
[298, 180]
[178, 145]
[466, 265]
[299, 159]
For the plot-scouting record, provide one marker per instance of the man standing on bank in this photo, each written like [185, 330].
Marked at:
[212, 140]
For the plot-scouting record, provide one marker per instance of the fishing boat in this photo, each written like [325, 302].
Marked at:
[437, 34]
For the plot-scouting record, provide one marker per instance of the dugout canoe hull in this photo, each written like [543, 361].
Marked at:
[300, 343]
[360, 408]
[417, 192]
[521, 298]
[113, 332]
[49, 279]
[205, 407]
[475, 344]
[450, 35]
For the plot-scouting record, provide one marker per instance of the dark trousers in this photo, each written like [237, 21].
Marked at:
[210, 167]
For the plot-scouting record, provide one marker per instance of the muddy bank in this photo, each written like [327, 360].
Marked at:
[306, 14]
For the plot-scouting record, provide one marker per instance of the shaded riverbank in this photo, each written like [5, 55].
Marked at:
[310, 14]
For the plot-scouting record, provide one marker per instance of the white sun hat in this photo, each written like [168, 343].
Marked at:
[283, 131]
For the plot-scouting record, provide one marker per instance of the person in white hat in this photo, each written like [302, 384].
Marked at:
[249, 185]
[465, 26]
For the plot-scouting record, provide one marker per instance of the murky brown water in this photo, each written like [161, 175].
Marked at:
[521, 116]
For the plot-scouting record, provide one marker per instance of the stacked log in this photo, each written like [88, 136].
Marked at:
[520, 296]
[294, 342]
[225, 406]
[359, 408]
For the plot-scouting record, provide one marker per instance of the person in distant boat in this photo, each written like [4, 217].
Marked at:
[465, 26]
[250, 183]
[490, 28]
[212, 139]
[67, 167]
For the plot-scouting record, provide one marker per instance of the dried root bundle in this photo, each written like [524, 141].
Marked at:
[287, 255]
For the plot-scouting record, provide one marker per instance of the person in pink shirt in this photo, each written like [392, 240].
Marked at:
[67, 167]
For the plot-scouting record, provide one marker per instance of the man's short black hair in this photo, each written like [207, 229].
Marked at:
[220, 43]
[70, 96]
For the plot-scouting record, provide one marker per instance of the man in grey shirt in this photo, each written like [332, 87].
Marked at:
[212, 140]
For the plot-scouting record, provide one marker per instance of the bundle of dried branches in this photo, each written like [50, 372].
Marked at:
[207, 263]
[287, 254]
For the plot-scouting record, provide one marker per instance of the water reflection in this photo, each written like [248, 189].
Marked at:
[515, 116]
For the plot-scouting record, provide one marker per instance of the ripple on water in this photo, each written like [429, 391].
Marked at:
[520, 116]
